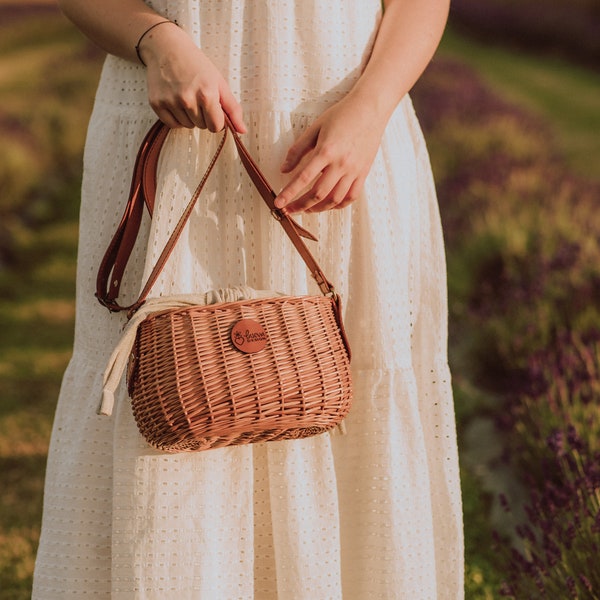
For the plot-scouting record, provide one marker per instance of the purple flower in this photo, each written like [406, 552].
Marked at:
[596, 524]
[506, 589]
[539, 583]
[504, 503]
[574, 439]
[556, 442]
[586, 583]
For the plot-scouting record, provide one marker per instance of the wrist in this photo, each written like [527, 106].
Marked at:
[377, 107]
[150, 39]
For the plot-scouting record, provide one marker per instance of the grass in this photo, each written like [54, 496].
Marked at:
[35, 346]
[563, 95]
[47, 77]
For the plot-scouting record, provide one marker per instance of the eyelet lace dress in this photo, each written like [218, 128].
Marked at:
[374, 513]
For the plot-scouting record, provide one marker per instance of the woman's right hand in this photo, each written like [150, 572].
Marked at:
[185, 89]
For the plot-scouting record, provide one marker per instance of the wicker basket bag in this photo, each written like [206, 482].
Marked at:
[226, 367]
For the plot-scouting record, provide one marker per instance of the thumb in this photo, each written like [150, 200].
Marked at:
[306, 142]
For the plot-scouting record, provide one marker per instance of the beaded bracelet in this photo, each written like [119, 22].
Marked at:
[137, 46]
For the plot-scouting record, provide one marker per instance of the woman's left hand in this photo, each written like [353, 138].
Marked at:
[330, 161]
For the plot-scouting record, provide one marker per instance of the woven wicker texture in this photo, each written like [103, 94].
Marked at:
[192, 389]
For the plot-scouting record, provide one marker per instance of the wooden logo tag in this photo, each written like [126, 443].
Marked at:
[248, 336]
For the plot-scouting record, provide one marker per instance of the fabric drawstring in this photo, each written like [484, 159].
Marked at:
[120, 356]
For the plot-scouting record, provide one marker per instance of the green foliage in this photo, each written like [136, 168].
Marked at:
[36, 321]
[47, 77]
[523, 233]
[481, 574]
[524, 275]
[535, 266]
[558, 93]
[565, 27]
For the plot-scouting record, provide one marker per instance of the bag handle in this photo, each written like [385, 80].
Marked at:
[143, 192]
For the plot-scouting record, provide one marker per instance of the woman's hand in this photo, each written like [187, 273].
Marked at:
[185, 89]
[330, 161]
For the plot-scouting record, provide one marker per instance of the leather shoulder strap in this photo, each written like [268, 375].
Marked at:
[143, 192]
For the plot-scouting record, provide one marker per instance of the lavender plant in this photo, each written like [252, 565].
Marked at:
[560, 542]
[552, 428]
[562, 385]
[524, 272]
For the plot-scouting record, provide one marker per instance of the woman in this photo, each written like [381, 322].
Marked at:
[323, 86]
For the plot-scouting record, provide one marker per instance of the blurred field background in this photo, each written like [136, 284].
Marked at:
[511, 110]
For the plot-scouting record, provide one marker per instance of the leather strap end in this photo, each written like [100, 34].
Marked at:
[278, 215]
[303, 232]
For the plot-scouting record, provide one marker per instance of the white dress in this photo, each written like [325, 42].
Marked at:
[375, 513]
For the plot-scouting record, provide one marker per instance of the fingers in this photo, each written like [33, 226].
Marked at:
[208, 117]
[304, 144]
[201, 111]
[233, 110]
[211, 114]
[299, 183]
[324, 178]
[307, 173]
[340, 196]
[167, 117]
[351, 195]
[181, 117]
[328, 192]
[198, 110]
[189, 91]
